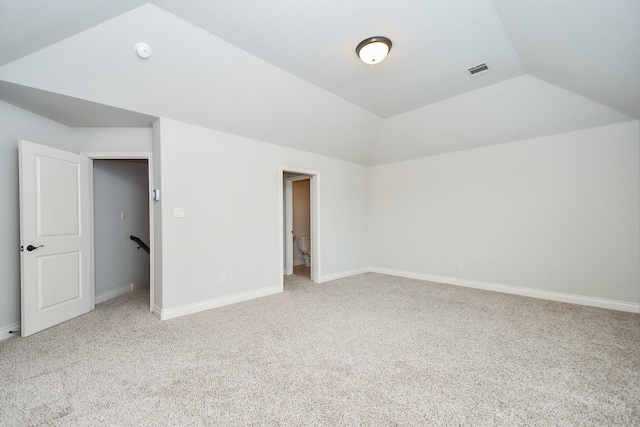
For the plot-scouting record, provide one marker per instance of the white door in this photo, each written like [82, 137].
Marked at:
[288, 227]
[55, 236]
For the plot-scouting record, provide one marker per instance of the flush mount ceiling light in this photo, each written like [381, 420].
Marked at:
[373, 50]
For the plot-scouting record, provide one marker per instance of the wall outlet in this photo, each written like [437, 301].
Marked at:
[178, 212]
[223, 279]
[460, 265]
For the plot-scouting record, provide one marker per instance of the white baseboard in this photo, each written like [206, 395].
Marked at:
[344, 274]
[298, 262]
[105, 296]
[215, 303]
[4, 331]
[515, 290]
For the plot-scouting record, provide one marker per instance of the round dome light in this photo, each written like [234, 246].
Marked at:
[373, 50]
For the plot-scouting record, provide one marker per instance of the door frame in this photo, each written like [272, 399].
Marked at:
[286, 242]
[126, 156]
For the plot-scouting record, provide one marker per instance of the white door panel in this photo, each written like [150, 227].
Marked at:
[55, 220]
[57, 197]
[288, 243]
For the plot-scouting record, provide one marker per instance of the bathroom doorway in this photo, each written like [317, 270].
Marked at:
[300, 221]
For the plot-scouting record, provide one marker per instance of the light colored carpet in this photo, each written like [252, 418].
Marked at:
[368, 350]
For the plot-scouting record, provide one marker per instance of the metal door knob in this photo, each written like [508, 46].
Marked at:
[31, 247]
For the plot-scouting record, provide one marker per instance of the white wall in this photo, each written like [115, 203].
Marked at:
[120, 186]
[15, 124]
[157, 215]
[229, 187]
[558, 213]
[137, 140]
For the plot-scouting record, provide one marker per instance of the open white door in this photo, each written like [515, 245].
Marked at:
[288, 227]
[55, 234]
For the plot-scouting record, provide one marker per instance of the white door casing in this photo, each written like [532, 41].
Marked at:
[288, 227]
[286, 214]
[55, 218]
[126, 155]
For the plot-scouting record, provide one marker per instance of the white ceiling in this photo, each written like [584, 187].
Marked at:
[433, 44]
[585, 50]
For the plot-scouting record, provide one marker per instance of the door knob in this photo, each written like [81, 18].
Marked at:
[32, 248]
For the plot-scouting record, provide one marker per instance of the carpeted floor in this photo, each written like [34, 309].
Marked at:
[368, 350]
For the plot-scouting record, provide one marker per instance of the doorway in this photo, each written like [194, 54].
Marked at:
[120, 217]
[303, 186]
[123, 208]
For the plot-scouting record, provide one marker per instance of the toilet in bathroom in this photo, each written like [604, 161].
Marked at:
[304, 250]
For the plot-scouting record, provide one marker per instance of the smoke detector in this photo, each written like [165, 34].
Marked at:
[143, 50]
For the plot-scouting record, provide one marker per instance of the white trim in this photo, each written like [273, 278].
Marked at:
[197, 307]
[105, 296]
[344, 274]
[92, 227]
[316, 249]
[119, 155]
[516, 290]
[288, 228]
[4, 332]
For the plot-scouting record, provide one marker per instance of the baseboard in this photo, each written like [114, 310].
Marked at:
[298, 262]
[215, 303]
[344, 274]
[4, 331]
[105, 296]
[515, 290]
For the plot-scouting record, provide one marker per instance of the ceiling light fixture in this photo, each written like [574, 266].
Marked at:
[373, 50]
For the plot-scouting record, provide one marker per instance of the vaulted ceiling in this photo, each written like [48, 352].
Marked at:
[286, 72]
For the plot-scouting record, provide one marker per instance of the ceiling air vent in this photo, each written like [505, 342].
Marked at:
[477, 69]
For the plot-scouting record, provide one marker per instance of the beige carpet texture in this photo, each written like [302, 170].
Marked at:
[369, 350]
